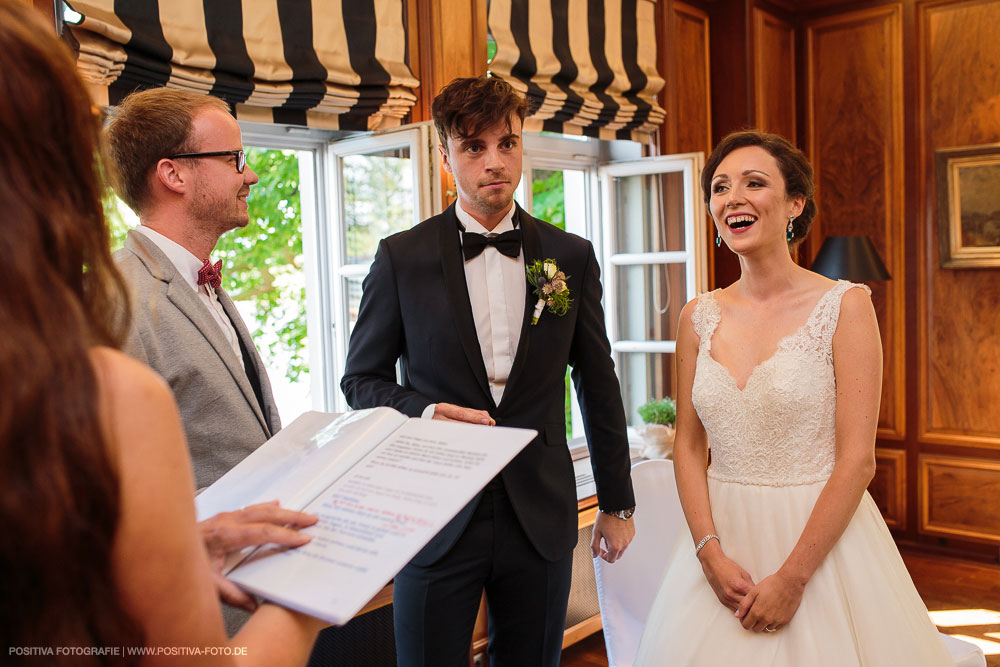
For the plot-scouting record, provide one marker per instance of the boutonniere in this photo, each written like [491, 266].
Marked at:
[550, 288]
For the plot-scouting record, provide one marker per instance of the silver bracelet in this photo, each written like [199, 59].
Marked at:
[704, 541]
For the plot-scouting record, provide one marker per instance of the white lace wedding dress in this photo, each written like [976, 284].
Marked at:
[772, 449]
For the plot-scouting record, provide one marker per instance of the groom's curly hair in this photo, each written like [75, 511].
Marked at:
[467, 106]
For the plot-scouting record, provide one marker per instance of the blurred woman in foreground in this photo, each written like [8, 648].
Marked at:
[100, 549]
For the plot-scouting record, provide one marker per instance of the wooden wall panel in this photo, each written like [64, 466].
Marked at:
[960, 497]
[774, 84]
[694, 105]
[854, 137]
[958, 309]
[437, 54]
[888, 488]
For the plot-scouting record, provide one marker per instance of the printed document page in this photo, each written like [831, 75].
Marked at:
[378, 515]
[300, 461]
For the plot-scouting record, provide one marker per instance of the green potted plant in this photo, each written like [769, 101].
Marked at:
[657, 433]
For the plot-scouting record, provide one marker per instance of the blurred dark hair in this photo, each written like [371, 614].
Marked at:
[60, 296]
[467, 106]
[792, 162]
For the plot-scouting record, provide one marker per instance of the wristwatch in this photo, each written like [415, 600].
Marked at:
[620, 514]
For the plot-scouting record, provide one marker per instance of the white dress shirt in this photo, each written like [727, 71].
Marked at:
[497, 290]
[188, 266]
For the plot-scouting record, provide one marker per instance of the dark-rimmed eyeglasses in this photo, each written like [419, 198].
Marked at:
[241, 157]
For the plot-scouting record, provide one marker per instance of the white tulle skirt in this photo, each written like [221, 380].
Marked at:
[860, 607]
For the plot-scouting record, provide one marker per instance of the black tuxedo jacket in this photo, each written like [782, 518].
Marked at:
[416, 308]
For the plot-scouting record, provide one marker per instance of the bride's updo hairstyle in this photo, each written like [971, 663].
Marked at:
[794, 165]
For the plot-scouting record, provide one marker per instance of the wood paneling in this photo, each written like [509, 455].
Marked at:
[694, 104]
[854, 137]
[959, 349]
[774, 84]
[437, 54]
[960, 497]
[888, 488]
[446, 40]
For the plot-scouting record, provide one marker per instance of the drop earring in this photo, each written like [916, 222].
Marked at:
[718, 240]
[789, 232]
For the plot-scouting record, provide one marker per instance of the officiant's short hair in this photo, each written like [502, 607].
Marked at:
[146, 127]
[466, 106]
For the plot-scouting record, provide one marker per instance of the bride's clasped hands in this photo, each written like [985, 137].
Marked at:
[770, 605]
[763, 607]
[730, 582]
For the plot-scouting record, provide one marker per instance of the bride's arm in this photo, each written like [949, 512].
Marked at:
[729, 581]
[857, 365]
[160, 562]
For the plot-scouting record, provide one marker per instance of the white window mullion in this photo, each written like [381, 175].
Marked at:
[645, 258]
[649, 346]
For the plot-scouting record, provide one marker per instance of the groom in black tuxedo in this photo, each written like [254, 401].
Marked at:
[449, 298]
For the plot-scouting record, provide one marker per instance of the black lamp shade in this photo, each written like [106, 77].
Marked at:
[850, 258]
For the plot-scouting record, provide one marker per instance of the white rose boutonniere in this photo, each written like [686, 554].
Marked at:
[549, 284]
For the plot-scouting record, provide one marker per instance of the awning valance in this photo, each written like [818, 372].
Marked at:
[336, 64]
[586, 66]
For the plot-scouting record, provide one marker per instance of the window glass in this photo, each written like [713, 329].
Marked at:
[264, 274]
[649, 212]
[379, 200]
[644, 376]
[650, 299]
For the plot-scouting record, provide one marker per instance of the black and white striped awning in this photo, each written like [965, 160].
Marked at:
[586, 66]
[336, 64]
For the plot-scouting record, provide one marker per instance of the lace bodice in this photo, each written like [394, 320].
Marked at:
[779, 429]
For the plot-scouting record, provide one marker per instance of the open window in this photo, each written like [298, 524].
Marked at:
[380, 184]
[655, 262]
[644, 217]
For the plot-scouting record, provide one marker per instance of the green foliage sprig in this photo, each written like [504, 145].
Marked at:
[662, 411]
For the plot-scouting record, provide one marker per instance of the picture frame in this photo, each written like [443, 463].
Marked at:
[968, 186]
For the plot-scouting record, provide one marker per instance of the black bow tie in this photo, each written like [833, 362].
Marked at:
[509, 243]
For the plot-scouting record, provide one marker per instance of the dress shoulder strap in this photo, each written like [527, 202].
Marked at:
[823, 320]
[705, 317]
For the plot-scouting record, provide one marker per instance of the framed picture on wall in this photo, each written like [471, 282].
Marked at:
[968, 185]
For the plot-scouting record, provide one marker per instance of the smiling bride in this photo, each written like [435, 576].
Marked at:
[780, 375]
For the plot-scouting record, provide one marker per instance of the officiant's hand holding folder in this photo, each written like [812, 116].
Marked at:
[382, 484]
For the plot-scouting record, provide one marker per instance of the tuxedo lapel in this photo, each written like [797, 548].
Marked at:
[531, 245]
[457, 291]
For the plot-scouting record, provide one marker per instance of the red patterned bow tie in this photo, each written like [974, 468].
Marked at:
[210, 274]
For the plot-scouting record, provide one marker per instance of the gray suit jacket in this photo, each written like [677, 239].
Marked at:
[175, 334]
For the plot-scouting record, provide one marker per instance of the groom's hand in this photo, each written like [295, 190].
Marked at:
[617, 533]
[455, 413]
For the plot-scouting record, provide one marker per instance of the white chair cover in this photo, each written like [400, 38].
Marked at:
[626, 589]
[965, 654]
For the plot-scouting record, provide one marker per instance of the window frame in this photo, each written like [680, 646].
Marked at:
[314, 206]
[421, 139]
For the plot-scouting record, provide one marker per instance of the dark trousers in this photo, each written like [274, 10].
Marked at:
[435, 606]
